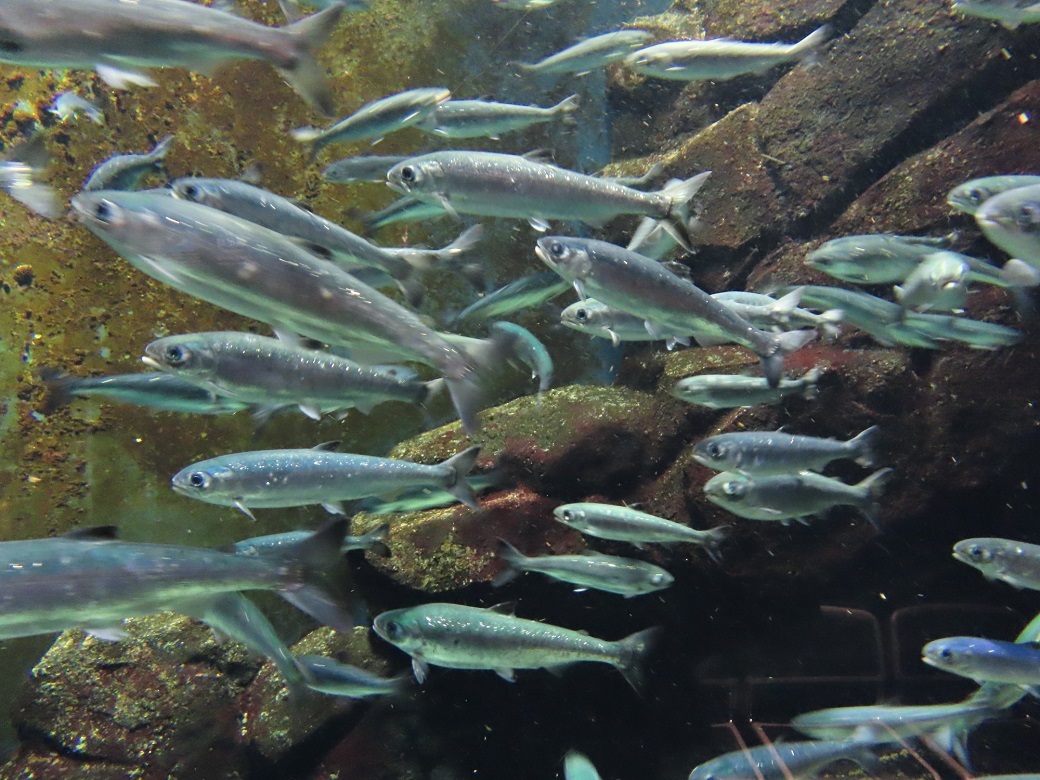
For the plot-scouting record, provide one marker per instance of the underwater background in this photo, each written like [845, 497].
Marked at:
[907, 100]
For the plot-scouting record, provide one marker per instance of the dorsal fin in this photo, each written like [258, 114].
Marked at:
[329, 446]
[505, 608]
[93, 533]
[253, 174]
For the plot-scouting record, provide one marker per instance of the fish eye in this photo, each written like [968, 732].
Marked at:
[946, 654]
[408, 173]
[393, 629]
[10, 45]
[190, 191]
[198, 479]
[175, 356]
[567, 515]
[556, 249]
[733, 489]
[979, 554]
[1029, 215]
[975, 196]
[581, 315]
[103, 211]
[714, 450]
[657, 579]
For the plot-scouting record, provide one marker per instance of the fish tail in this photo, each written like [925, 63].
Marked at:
[783, 344]
[789, 302]
[807, 47]
[317, 582]
[872, 488]
[522, 345]
[60, 387]
[374, 541]
[713, 541]
[514, 560]
[431, 390]
[567, 107]
[679, 193]
[862, 446]
[460, 465]
[306, 75]
[632, 653]
[810, 389]
[468, 397]
[158, 153]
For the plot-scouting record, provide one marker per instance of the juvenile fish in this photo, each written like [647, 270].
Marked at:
[1011, 221]
[112, 37]
[974, 333]
[154, 390]
[258, 273]
[507, 185]
[481, 118]
[624, 524]
[1016, 563]
[376, 119]
[775, 452]
[525, 292]
[592, 53]
[1008, 13]
[640, 286]
[373, 541]
[431, 498]
[459, 637]
[939, 283]
[279, 478]
[597, 319]
[20, 173]
[624, 576]
[784, 760]
[577, 767]
[880, 258]
[327, 675]
[720, 58]
[787, 497]
[69, 105]
[262, 371]
[968, 197]
[764, 311]
[729, 391]
[986, 660]
[371, 168]
[882, 319]
[125, 171]
[529, 350]
[404, 210]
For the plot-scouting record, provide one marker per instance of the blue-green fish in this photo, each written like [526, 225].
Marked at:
[371, 168]
[528, 349]
[776, 452]
[155, 390]
[460, 637]
[481, 118]
[786, 497]
[592, 53]
[301, 477]
[114, 37]
[624, 524]
[1016, 563]
[624, 576]
[327, 675]
[372, 541]
[986, 660]
[605, 322]
[878, 258]
[525, 292]
[577, 767]
[430, 498]
[783, 760]
[125, 171]
[1011, 220]
[405, 210]
[729, 391]
[974, 333]
[969, 196]
[1009, 13]
[938, 283]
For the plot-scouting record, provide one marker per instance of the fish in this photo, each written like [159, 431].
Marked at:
[974, 333]
[597, 319]
[720, 58]
[482, 118]
[609, 573]
[258, 273]
[20, 172]
[986, 660]
[125, 171]
[886, 321]
[113, 38]
[430, 498]
[373, 541]
[524, 5]
[461, 637]
[624, 524]
[651, 239]
[322, 236]
[154, 390]
[970, 195]
[729, 391]
[763, 453]
[371, 168]
[591, 53]
[1011, 221]
[528, 349]
[69, 105]
[1016, 563]
[523, 293]
[491, 184]
[326, 675]
[263, 371]
[786, 497]
[264, 479]
[765, 311]
[1008, 13]
[784, 760]
[92, 581]
[640, 286]
[938, 283]
[877, 258]
[577, 766]
[375, 119]
[404, 210]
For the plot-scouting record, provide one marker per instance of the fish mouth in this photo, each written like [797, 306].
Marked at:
[544, 255]
[152, 362]
[398, 186]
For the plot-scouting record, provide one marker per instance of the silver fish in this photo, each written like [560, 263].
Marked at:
[258, 273]
[1011, 220]
[528, 349]
[783, 761]
[525, 292]
[974, 333]
[609, 573]
[113, 37]
[507, 185]
[69, 105]
[640, 286]
[125, 171]
[404, 210]
[789, 497]
[376, 119]
[1016, 563]
[373, 541]
[430, 498]
[624, 524]
[327, 675]
[986, 660]
[459, 637]
[764, 311]
[720, 58]
[371, 168]
[592, 53]
[775, 452]
[968, 197]
[481, 118]
[729, 391]
[154, 390]
[878, 258]
[938, 283]
[1009, 13]
[887, 322]
[20, 173]
[279, 478]
[262, 371]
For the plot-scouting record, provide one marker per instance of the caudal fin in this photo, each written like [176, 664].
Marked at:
[317, 583]
[783, 344]
[306, 75]
[712, 540]
[679, 194]
[806, 48]
[873, 487]
[60, 388]
[514, 560]
[632, 653]
[861, 447]
[460, 465]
